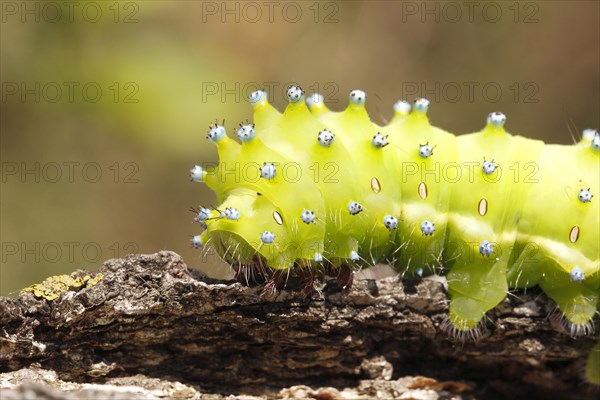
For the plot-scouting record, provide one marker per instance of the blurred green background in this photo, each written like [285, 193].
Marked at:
[105, 105]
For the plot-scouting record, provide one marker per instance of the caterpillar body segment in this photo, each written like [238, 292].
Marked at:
[483, 222]
[564, 231]
[424, 192]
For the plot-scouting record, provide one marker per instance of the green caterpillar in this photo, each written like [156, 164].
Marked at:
[312, 189]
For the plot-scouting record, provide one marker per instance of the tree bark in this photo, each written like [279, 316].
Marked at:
[151, 315]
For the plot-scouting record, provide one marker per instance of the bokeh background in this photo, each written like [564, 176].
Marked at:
[105, 105]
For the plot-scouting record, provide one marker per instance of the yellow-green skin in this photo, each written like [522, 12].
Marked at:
[532, 205]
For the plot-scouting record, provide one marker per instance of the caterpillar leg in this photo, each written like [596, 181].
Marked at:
[474, 290]
[345, 278]
[273, 284]
[577, 300]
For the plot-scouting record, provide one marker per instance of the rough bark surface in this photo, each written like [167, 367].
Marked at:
[152, 318]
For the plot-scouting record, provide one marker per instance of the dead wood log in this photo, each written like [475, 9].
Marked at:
[151, 315]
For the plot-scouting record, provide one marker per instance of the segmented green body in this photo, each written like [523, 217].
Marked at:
[490, 210]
